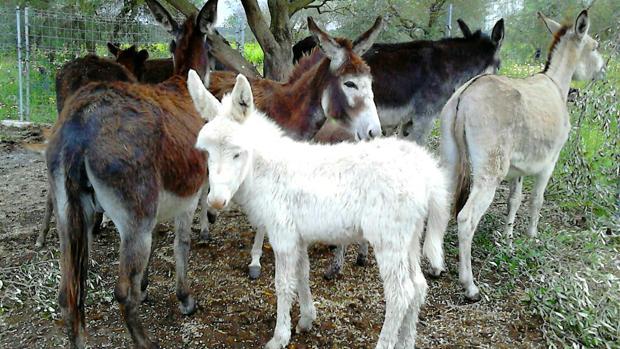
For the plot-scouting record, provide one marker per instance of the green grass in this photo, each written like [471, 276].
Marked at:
[43, 74]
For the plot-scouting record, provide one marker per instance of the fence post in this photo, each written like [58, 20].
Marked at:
[19, 65]
[27, 71]
[449, 24]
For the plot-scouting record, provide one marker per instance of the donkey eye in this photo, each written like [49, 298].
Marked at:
[350, 84]
[236, 156]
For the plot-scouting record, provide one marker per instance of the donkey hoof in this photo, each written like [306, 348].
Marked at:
[211, 217]
[304, 324]
[39, 245]
[331, 273]
[435, 273]
[204, 235]
[188, 307]
[144, 296]
[254, 271]
[362, 261]
[472, 297]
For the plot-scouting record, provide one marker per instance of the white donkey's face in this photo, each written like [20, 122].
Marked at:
[229, 153]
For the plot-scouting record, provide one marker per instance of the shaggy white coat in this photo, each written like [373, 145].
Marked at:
[300, 193]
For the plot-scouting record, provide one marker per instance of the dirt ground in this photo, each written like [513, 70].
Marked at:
[234, 311]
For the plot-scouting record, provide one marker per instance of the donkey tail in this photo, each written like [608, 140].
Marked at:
[454, 146]
[72, 295]
[437, 222]
[462, 169]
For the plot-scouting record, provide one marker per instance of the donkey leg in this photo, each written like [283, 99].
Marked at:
[336, 265]
[537, 198]
[98, 222]
[393, 262]
[286, 264]
[257, 252]
[477, 204]
[306, 306]
[407, 332]
[45, 227]
[418, 128]
[362, 253]
[144, 284]
[187, 304]
[206, 216]
[516, 186]
[136, 240]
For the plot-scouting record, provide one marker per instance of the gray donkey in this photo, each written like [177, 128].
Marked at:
[498, 128]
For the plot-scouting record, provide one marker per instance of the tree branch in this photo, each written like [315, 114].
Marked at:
[258, 24]
[296, 5]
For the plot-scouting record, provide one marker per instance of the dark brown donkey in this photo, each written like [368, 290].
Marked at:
[128, 149]
[331, 83]
[132, 59]
[154, 71]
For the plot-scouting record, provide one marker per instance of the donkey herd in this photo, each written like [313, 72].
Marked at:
[146, 141]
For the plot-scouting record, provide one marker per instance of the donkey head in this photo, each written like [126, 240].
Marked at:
[582, 47]
[489, 45]
[189, 46]
[348, 96]
[223, 137]
[130, 58]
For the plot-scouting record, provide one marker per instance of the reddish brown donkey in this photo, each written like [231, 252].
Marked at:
[331, 83]
[128, 149]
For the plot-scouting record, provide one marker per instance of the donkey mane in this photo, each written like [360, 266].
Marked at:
[305, 63]
[557, 37]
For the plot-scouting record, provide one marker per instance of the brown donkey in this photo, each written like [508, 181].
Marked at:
[331, 83]
[128, 149]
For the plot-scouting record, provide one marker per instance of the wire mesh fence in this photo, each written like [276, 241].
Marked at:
[34, 44]
[9, 71]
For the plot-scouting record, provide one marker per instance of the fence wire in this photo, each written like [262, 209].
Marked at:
[50, 39]
[9, 72]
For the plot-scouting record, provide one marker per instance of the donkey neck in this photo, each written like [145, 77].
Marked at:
[562, 65]
[297, 104]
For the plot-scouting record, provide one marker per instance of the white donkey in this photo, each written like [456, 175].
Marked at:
[300, 193]
[509, 128]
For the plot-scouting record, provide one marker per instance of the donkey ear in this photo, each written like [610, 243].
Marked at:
[206, 104]
[242, 99]
[143, 55]
[162, 16]
[207, 17]
[497, 35]
[551, 25]
[582, 24]
[113, 49]
[464, 28]
[366, 40]
[328, 45]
